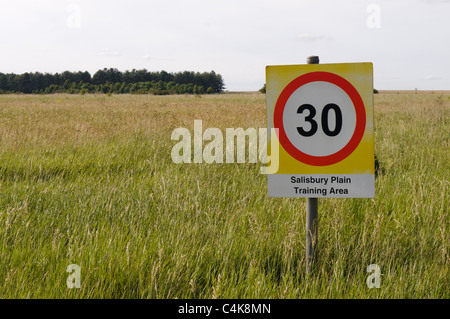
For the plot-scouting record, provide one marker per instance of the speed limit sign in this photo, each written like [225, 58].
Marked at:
[323, 114]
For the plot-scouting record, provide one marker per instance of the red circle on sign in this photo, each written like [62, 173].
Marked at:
[358, 104]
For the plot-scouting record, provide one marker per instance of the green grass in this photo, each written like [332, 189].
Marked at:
[89, 180]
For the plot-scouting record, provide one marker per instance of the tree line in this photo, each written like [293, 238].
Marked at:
[112, 80]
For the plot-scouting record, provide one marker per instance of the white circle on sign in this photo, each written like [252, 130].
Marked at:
[318, 94]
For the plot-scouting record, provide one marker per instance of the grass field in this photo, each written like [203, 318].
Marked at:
[89, 180]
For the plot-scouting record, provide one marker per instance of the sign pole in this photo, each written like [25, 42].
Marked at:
[312, 214]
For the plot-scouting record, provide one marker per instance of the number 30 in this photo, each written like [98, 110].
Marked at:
[324, 120]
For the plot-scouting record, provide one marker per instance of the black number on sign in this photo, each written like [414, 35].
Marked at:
[324, 118]
[309, 118]
[337, 113]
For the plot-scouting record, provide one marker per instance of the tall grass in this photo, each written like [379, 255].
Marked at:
[89, 180]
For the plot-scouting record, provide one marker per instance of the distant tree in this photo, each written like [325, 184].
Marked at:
[133, 88]
[182, 89]
[166, 77]
[66, 76]
[73, 88]
[99, 77]
[113, 81]
[23, 83]
[3, 82]
[263, 89]
[48, 79]
[67, 84]
[216, 82]
[171, 86]
[122, 88]
[107, 75]
[160, 85]
[85, 76]
[142, 76]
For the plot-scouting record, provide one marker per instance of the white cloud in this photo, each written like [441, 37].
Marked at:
[305, 37]
[432, 77]
[436, 1]
[108, 52]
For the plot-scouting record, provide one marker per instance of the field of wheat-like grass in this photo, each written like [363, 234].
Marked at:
[89, 180]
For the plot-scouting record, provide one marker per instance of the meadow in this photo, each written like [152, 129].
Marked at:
[89, 180]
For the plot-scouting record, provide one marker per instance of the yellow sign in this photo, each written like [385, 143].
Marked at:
[324, 117]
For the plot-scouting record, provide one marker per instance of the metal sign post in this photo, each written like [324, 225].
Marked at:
[312, 214]
[312, 223]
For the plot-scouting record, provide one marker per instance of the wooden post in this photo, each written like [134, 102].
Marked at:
[312, 214]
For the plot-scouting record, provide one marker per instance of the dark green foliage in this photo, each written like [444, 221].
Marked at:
[263, 89]
[113, 81]
[379, 169]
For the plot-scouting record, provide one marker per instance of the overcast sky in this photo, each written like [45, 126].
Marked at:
[408, 41]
